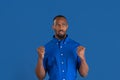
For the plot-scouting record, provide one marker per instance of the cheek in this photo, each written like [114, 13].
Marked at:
[56, 30]
[65, 29]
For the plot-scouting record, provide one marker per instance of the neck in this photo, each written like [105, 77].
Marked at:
[59, 37]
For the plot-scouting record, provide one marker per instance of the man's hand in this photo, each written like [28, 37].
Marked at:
[83, 69]
[81, 51]
[41, 52]
[40, 71]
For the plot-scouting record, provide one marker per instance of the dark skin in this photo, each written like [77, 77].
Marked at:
[60, 27]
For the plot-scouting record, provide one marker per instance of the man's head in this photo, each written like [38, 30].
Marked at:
[60, 26]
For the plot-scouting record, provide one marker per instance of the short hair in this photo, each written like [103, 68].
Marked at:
[58, 16]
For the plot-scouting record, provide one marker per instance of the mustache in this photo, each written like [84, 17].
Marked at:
[60, 31]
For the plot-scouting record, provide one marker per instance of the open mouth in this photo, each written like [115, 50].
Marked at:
[61, 32]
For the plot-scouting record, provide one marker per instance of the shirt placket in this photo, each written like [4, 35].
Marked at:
[62, 61]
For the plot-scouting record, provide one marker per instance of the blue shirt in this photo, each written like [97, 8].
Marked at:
[61, 60]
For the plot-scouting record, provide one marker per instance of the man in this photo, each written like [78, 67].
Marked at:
[61, 57]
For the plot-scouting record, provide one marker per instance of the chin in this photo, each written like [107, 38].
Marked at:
[61, 36]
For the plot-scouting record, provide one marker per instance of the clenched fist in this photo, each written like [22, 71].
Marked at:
[41, 52]
[81, 51]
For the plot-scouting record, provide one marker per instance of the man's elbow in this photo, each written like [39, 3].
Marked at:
[84, 74]
[39, 76]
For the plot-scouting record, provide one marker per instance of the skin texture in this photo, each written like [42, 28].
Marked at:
[60, 27]
[40, 72]
[83, 69]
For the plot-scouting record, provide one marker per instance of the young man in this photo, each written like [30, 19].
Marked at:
[61, 57]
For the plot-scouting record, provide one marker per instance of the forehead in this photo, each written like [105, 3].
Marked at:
[60, 20]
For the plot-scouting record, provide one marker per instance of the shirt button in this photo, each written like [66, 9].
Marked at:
[63, 71]
[61, 54]
[62, 62]
[60, 46]
[63, 78]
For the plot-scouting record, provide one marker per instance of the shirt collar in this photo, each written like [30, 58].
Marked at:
[64, 41]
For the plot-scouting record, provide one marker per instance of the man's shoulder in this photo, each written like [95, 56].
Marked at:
[71, 41]
[49, 43]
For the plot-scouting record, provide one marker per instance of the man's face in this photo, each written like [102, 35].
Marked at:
[60, 27]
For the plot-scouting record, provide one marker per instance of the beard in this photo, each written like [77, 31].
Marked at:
[61, 35]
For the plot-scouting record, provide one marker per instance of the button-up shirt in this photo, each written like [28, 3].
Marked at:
[61, 60]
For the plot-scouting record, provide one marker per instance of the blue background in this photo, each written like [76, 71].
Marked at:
[26, 24]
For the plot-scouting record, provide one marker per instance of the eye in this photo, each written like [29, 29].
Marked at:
[57, 25]
[64, 24]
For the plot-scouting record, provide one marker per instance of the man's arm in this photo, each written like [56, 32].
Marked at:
[40, 71]
[83, 69]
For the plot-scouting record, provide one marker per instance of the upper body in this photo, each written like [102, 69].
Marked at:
[61, 57]
[61, 60]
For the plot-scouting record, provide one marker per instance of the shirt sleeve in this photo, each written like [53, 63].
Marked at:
[78, 62]
[78, 59]
[45, 62]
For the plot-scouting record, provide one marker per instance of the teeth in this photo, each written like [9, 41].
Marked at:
[60, 31]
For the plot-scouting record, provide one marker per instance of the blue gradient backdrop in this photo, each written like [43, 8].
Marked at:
[26, 24]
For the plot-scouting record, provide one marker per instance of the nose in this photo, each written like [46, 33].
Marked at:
[61, 26]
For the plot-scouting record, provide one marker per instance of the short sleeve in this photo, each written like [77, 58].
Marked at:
[78, 59]
[78, 62]
[45, 62]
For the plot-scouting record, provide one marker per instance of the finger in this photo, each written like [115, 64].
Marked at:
[42, 51]
[81, 47]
